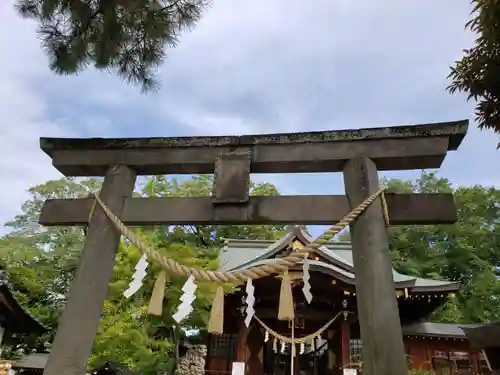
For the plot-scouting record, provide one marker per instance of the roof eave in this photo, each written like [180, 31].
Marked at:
[435, 335]
[483, 336]
[273, 249]
[445, 287]
[32, 323]
[302, 235]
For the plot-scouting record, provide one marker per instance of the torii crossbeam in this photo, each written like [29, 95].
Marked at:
[359, 154]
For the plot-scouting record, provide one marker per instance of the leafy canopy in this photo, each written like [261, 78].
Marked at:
[129, 37]
[478, 72]
[467, 251]
[41, 263]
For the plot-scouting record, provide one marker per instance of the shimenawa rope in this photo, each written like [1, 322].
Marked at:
[300, 340]
[278, 266]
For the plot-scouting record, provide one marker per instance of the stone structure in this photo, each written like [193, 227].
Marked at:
[4, 367]
[193, 362]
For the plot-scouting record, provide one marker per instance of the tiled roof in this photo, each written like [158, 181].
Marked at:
[449, 330]
[32, 361]
[33, 323]
[244, 254]
[484, 336]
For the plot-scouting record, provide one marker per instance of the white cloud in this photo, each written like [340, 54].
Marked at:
[24, 114]
[252, 66]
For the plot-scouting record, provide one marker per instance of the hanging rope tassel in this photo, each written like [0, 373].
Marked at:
[216, 322]
[285, 310]
[156, 302]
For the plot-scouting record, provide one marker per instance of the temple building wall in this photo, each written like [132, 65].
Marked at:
[332, 282]
[442, 355]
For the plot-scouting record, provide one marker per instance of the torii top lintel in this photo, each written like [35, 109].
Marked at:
[391, 148]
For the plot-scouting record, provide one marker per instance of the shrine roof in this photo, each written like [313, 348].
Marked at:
[428, 329]
[338, 262]
[32, 361]
[483, 336]
[18, 319]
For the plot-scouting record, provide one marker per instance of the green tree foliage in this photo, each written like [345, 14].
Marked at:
[129, 37]
[477, 73]
[467, 251]
[41, 263]
[210, 235]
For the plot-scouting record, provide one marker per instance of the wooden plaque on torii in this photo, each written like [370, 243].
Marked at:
[359, 154]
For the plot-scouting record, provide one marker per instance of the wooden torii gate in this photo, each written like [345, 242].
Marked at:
[359, 154]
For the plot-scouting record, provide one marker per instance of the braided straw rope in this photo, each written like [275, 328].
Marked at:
[278, 266]
[300, 340]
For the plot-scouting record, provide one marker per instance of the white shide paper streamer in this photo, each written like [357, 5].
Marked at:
[187, 298]
[137, 277]
[250, 300]
[306, 289]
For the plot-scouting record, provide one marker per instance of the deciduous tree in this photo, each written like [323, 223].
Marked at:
[478, 72]
[41, 263]
[467, 251]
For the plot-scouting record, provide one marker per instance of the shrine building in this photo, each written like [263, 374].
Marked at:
[429, 346]
[14, 322]
[14, 319]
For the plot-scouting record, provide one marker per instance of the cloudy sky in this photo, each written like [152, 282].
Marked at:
[252, 66]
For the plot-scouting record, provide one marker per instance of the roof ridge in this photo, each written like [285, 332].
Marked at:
[228, 240]
[247, 240]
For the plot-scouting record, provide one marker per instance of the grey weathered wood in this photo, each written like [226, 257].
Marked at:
[404, 209]
[75, 335]
[389, 154]
[456, 130]
[394, 148]
[383, 349]
[231, 178]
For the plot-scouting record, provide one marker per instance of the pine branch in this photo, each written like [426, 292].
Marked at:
[129, 37]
